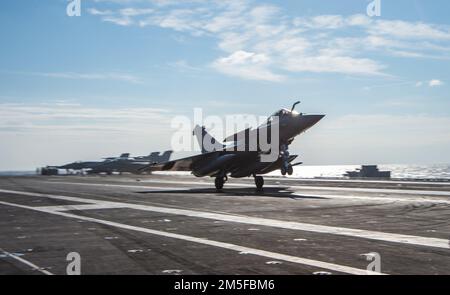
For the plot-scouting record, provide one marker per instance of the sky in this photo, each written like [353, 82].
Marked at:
[111, 80]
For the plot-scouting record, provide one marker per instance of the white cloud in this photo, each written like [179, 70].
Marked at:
[184, 66]
[121, 21]
[359, 20]
[431, 83]
[69, 117]
[332, 22]
[247, 65]
[94, 11]
[409, 30]
[91, 76]
[435, 83]
[333, 64]
[326, 22]
[319, 44]
[135, 11]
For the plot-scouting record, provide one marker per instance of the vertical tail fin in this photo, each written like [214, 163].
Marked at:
[157, 157]
[165, 157]
[206, 141]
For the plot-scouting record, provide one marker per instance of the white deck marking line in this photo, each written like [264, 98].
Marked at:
[368, 190]
[367, 198]
[99, 206]
[349, 189]
[341, 231]
[33, 266]
[237, 248]
[297, 193]
[119, 185]
[58, 197]
[375, 190]
[360, 181]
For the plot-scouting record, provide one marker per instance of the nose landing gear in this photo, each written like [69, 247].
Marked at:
[286, 167]
[289, 170]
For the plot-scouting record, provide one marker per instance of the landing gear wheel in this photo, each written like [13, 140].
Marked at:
[219, 182]
[259, 181]
[283, 171]
[290, 170]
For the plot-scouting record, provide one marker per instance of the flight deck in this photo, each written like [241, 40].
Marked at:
[168, 225]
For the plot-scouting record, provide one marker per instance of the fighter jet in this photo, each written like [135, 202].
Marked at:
[130, 164]
[122, 164]
[224, 161]
[155, 157]
[90, 165]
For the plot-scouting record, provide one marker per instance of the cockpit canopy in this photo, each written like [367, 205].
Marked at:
[281, 113]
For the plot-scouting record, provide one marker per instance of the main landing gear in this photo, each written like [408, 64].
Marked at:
[259, 181]
[220, 181]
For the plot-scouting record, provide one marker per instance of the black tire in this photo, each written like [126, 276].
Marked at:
[283, 171]
[219, 182]
[259, 181]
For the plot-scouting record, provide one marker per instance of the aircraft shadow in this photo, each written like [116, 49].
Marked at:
[275, 192]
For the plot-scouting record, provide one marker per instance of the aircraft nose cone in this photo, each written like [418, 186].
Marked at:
[308, 121]
[314, 119]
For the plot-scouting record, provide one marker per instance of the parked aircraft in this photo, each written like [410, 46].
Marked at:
[91, 164]
[122, 164]
[130, 164]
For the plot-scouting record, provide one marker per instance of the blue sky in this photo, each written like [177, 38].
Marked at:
[110, 80]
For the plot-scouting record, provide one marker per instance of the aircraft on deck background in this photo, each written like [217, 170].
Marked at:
[122, 164]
